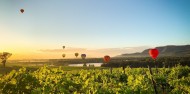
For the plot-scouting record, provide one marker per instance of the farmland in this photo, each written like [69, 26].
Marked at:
[43, 78]
[47, 80]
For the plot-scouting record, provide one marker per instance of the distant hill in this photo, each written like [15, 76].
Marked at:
[170, 50]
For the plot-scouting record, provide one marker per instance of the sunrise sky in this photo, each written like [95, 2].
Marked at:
[94, 27]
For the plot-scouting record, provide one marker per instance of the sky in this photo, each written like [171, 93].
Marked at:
[94, 27]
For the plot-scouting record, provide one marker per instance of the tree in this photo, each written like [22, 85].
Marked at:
[4, 56]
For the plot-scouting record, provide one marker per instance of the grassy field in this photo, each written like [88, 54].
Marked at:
[9, 67]
[115, 62]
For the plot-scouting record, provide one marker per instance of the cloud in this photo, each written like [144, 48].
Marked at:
[119, 51]
[69, 49]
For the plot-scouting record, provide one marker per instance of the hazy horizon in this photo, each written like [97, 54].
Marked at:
[69, 52]
[95, 27]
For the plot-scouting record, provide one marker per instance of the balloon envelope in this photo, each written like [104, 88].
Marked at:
[153, 53]
[63, 55]
[76, 54]
[63, 47]
[22, 10]
[107, 58]
[83, 56]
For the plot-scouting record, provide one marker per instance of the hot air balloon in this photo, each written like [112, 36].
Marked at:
[63, 47]
[22, 10]
[106, 58]
[83, 56]
[63, 55]
[76, 54]
[153, 53]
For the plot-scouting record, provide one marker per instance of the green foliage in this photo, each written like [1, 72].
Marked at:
[48, 80]
[137, 62]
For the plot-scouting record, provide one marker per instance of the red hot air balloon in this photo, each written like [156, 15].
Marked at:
[83, 56]
[22, 10]
[153, 53]
[106, 58]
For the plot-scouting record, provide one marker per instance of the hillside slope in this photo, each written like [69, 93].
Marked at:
[171, 50]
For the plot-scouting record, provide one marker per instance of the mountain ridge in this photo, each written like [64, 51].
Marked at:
[169, 50]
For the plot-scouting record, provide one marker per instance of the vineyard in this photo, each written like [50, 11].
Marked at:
[46, 80]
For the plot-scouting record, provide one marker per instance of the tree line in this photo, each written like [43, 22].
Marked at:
[144, 62]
